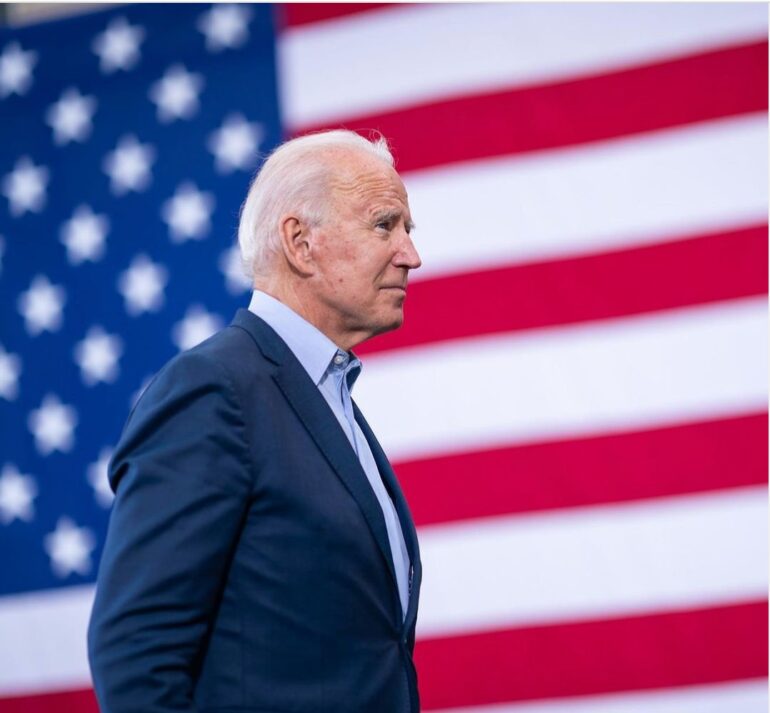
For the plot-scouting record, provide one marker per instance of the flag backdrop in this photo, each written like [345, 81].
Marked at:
[577, 405]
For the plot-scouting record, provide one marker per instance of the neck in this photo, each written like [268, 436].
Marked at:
[310, 310]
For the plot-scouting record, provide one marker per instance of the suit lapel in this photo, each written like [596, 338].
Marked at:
[321, 423]
[402, 508]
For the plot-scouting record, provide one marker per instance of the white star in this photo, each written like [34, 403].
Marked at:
[128, 166]
[231, 266]
[10, 368]
[17, 491]
[83, 235]
[176, 94]
[118, 45]
[188, 213]
[70, 117]
[69, 548]
[97, 356]
[98, 478]
[16, 70]
[24, 187]
[235, 144]
[52, 425]
[225, 26]
[197, 325]
[41, 306]
[142, 285]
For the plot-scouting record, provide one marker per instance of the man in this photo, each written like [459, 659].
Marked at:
[261, 556]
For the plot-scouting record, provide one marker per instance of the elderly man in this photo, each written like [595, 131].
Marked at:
[261, 556]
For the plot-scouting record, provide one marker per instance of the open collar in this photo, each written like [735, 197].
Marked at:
[313, 349]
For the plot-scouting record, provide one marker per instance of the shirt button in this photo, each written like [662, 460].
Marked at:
[339, 359]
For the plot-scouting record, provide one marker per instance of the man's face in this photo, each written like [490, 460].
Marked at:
[363, 250]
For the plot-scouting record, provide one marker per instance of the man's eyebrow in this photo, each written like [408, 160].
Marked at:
[386, 214]
[389, 215]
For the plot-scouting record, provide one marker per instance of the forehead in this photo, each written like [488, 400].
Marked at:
[365, 181]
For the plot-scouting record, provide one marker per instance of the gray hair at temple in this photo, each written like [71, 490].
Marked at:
[295, 178]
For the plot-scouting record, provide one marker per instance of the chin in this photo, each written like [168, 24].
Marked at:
[387, 324]
[394, 322]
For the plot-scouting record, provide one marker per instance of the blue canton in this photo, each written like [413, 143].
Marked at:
[129, 140]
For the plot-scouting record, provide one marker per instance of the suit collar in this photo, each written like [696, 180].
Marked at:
[273, 348]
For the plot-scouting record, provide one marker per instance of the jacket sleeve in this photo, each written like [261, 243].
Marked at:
[182, 478]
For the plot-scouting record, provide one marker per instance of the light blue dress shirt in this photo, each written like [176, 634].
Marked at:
[334, 372]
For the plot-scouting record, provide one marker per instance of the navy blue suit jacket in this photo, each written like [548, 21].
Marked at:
[247, 565]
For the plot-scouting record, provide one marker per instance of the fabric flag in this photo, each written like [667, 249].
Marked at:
[577, 403]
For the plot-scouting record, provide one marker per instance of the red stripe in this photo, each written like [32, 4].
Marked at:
[697, 457]
[297, 14]
[83, 701]
[659, 651]
[636, 653]
[679, 273]
[697, 88]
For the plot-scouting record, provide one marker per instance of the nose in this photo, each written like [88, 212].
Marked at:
[407, 255]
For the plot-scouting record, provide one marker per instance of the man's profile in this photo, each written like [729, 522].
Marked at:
[261, 555]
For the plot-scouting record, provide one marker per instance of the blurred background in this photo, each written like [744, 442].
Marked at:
[590, 187]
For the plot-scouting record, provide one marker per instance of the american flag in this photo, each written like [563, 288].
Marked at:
[577, 404]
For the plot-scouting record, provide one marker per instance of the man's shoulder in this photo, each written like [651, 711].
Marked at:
[232, 348]
[229, 359]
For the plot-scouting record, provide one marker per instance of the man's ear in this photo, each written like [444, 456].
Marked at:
[296, 244]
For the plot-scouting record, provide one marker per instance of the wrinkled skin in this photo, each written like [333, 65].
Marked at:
[348, 275]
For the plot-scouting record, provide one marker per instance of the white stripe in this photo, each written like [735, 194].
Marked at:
[613, 375]
[733, 697]
[594, 562]
[47, 632]
[610, 195]
[383, 60]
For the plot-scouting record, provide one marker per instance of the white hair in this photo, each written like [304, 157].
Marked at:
[293, 179]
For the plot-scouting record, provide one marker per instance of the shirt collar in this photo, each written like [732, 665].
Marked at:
[313, 349]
